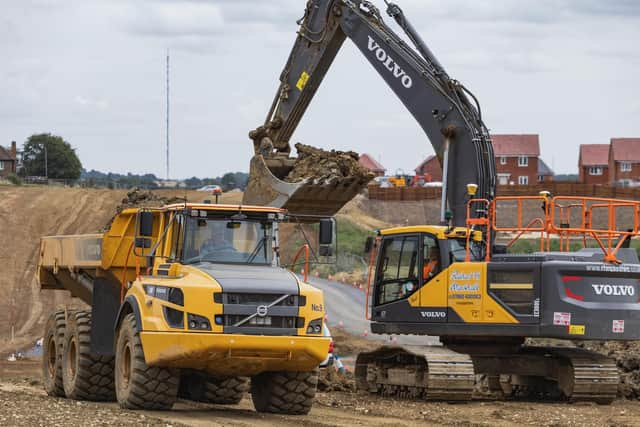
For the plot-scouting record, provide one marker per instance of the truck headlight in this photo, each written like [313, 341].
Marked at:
[198, 323]
[315, 326]
[172, 295]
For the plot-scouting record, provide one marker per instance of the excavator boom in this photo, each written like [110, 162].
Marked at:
[453, 123]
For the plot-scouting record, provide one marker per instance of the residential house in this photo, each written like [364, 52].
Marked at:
[8, 160]
[517, 161]
[593, 164]
[545, 174]
[516, 158]
[624, 161]
[430, 169]
[369, 163]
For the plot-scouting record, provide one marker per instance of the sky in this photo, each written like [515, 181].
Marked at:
[93, 72]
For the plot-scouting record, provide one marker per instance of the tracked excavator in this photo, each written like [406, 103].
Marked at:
[458, 280]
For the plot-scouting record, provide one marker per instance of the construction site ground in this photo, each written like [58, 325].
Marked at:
[27, 213]
[23, 402]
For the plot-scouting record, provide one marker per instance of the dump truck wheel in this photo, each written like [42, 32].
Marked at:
[85, 375]
[284, 392]
[203, 387]
[139, 386]
[52, 354]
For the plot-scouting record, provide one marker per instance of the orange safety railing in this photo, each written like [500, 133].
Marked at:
[567, 217]
[518, 227]
[607, 235]
[306, 250]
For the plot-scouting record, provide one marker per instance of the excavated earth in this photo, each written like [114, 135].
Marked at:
[325, 165]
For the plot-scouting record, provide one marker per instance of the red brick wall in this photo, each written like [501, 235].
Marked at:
[616, 175]
[585, 178]
[432, 167]
[511, 167]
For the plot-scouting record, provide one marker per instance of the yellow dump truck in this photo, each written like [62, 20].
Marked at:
[188, 301]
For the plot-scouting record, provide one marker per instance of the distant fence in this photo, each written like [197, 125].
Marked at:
[407, 194]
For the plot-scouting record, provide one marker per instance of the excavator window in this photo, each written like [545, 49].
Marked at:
[398, 269]
[431, 263]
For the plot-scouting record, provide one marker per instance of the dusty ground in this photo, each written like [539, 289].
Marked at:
[24, 403]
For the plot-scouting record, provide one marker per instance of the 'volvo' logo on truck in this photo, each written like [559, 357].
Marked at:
[390, 64]
[434, 314]
[262, 310]
[614, 290]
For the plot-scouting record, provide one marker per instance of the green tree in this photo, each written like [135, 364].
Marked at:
[61, 159]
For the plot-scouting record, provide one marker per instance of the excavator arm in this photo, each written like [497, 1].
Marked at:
[441, 105]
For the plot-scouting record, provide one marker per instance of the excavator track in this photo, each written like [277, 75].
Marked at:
[432, 374]
[530, 373]
[553, 373]
[591, 376]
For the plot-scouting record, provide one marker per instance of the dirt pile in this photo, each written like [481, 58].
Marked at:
[346, 344]
[325, 165]
[627, 356]
[138, 198]
[330, 380]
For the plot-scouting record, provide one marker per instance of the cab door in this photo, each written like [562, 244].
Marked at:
[433, 280]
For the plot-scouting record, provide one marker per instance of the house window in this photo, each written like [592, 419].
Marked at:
[523, 161]
[523, 180]
[540, 178]
[503, 160]
[595, 171]
[625, 166]
[1, 166]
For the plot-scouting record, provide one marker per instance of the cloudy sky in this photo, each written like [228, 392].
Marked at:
[93, 71]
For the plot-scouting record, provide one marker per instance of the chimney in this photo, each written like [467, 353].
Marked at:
[13, 150]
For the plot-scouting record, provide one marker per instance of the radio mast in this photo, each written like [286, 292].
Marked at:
[167, 130]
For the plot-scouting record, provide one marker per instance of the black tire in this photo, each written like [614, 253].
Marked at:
[85, 375]
[138, 385]
[203, 387]
[52, 348]
[284, 392]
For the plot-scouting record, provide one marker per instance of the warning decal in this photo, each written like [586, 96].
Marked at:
[562, 319]
[618, 326]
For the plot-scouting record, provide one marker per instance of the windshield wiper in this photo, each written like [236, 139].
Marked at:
[254, 253]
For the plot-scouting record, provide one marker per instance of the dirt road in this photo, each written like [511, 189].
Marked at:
[24, 403]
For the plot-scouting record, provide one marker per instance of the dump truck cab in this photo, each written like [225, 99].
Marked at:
[194, 292]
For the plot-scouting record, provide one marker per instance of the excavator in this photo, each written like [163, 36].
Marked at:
[456, 280]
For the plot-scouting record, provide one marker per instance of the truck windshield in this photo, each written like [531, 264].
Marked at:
[228, 241]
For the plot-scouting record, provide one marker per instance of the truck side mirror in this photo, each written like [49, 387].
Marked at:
[368, 245]
[326, 232]
[145, 224]
[145, 230]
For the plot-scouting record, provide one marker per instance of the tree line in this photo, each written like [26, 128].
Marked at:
[50, 156]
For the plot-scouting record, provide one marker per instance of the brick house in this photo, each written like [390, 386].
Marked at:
[593, 164]
[8, 160]
[624, 160]
[369, 163]
[517, 161]
[430, 169]
[516, 158]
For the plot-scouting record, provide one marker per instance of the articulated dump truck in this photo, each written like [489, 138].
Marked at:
[186, 301]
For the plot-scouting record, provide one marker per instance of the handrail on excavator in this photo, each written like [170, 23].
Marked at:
[566, 217]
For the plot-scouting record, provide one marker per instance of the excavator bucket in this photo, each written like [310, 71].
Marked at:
[310, 196]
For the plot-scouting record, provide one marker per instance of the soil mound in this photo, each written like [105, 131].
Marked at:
[321, 165]
[138, 198]
[331, 380]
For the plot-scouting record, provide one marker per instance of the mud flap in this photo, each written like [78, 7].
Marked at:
[104, 311]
